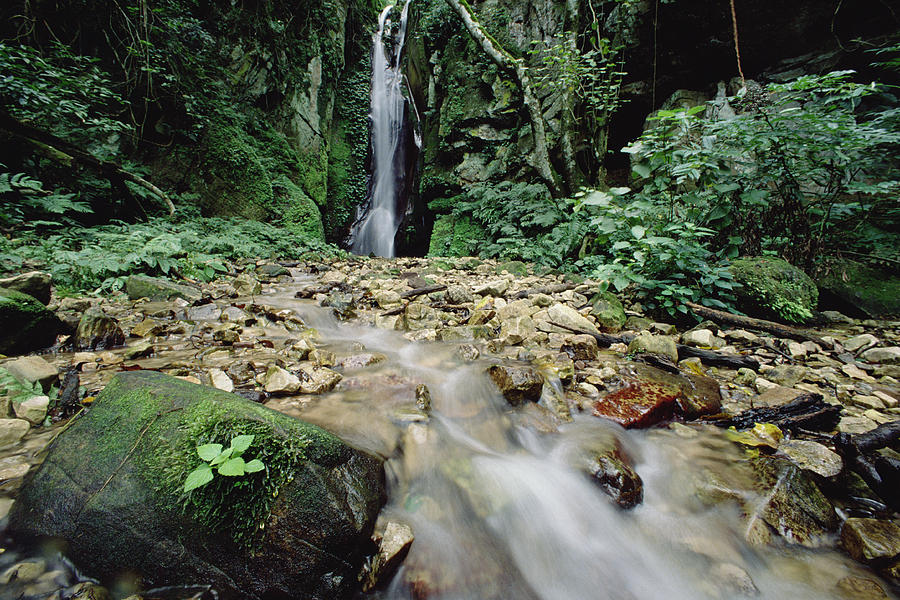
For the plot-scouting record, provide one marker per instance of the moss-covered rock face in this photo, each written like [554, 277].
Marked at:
[858, 290]
[454, 236]
[112, 488]
[772, 288]
[236, 182]
[25, 323]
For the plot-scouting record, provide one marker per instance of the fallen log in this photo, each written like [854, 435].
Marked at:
[428, 289]
[778, 329]
[546, 289]
[806, 411]
[707, 357]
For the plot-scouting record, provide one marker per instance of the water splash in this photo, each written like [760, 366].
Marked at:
[377, 223]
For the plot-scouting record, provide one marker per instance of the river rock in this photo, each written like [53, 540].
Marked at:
[35, 283]
[608, 312]
[112, 484]
[279, 381]
[25, 323]
[387, 298]
[703, 338]
[787, 375]
[98, 331]
[459, 294]
[393, 547]
[772, 288]
[517, 330]
[871, 540]
[886, 356]
[12, 430]
[204, 312]
[561, 314]
[517, 384]
[220, 380]
[654, 344]
[860, 588]
[317, 380]
[141, 286]
[580, 347]
[33, 369]
[859, 341]
[34, 409]
[246, 284]
[611, 470]
[147, 328]
[496, 288]
[638, 404]
[812, 456]
[360, 361]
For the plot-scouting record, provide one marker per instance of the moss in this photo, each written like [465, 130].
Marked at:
[773, 288]
[299, 213]
[859, 290]
[454, 236]
[25, 323]
[236, 182]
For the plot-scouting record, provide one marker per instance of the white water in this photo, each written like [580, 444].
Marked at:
[375, 233]
[502, 512]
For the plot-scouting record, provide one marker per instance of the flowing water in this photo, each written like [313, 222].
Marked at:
[501, 510]
[377, 226]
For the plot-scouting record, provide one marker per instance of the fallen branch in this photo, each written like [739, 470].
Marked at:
[778, 329]
[547, 289]
[707, 357]
[62, 151]
[428, 289]
[806, 411]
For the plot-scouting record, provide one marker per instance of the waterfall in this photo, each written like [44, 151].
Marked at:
[392, 155]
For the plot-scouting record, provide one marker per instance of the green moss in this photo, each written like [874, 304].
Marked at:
[299, 213]
[25, 323]
[773, 288]
[859, 290]
[235, 181]
[454, 235]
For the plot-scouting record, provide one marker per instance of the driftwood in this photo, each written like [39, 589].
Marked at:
[394, 311]
[707, 357]
[62, 151]
[881, 473]
[806, 411]
[428, 289]
[778, 329]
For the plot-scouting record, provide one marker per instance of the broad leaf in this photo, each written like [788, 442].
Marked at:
[233, 467]
[241, 443]
[209, 451]
[222, 457]
[254, 466]
[198, 477]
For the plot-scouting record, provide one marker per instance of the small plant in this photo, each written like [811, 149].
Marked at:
[225, 461]
[19, 391]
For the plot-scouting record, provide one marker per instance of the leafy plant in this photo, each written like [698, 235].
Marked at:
[224, 461]
[19, 391]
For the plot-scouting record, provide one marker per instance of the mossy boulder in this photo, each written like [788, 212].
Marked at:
[858, 290]
[112, 487]
[608, 311]
[772, 288]
[454, 236]
[141, 286]
[25, 323]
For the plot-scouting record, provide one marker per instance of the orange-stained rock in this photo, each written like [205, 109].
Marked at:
[639, 404]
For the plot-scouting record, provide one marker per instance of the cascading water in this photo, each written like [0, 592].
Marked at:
[392, 154]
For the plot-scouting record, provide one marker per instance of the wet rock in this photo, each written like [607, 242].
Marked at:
[139, 350]
[495, 288]
[700, 396]
[580, 347]
[611, 470]
[517, 384]
[745, 376]
[458, 294]
[147, 328]
[279, 381]
[12, 431]
[567, 316]
[886, 356]
[34, 409]
[246, 284]
[654, 344]
[703, 338]
[220, 380]
[227, 335]
[361, 361]
[140, 286]
[467, 352]
[812, 456]
[120, 511]
[639, 404]
[323, 358]
[25, 323]
[732, 581]
[98, 331]
[317, 380]
[35, 283]
[860, 588]
[393, 547]
[24, 571]
[608, 312]
[859, 341]
[204, 312]
[872, 541]
[387, 298]
[271, 270]
[423, 398]
[790, 503]
[517, 330]
[33, 369]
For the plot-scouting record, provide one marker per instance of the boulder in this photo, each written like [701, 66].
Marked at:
[33, 410]
[871, 540]
[98, 331]
[608, 311]
[497, 288]
[561, 314]
[458, 294]
[607, 464]
[654, 344]
[35, 283]
[639, 404]
[772, 288]
[141, 286]
[517, 384]
[317, 380]
[112, 487]
[33, 369]
[25, 323]
[858, 290]
[885, 356]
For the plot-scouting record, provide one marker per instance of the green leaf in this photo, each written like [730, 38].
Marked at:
[233, 467]
[222, 457]
[241, 443]
[209, 451]
[198, 477]
[638, 231]
[642, 171]
[254, 465]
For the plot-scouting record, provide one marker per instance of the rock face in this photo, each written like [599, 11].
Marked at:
[858, 290]
[772, 288]
[25, 323]
[112, 487]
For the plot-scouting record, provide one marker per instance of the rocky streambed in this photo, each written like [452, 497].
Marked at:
[527, 436]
